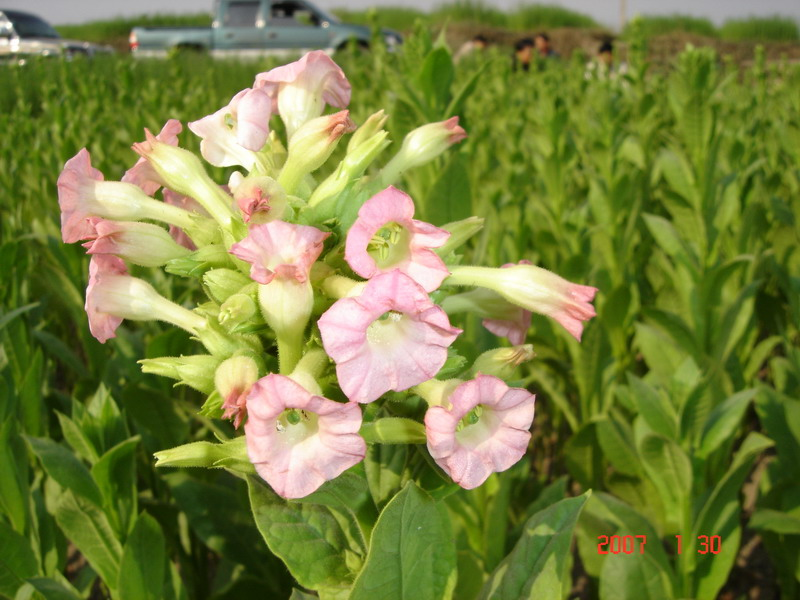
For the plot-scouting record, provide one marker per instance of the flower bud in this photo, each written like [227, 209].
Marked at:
[231, 455]
[195, 371]
[260, 198]
[182, 171]
[223, 283]
[140, 243]
[311, 145]
[237, 309]
[460, 232]
[233, 379]
[502, 362]
[421, 146]
[373, 125]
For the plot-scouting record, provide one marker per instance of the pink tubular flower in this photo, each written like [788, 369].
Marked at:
[140, 243]
[516, 327]
[142, 173]
[261, 199]
[484, 431]
[373, 354]
[233, 133]
[102, 268]
[385, 237]
[302, 88]
[296, 440]
[77, 173]
[536, 290]
[279, 249]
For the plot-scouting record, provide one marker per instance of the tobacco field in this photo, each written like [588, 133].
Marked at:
[672, 429]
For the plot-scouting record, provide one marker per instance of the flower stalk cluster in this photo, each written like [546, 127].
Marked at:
[336, 277]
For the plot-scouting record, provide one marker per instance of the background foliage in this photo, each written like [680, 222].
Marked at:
[675, 192]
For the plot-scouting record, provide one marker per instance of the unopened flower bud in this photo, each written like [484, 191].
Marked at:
[195, 371]
[140, 243]
[502, 362]
[233, 379]
[223, 283]
[260, 198]
[200, 261]
[231, 454]
[421, 146]
[460, 232]
[373, 125]
[182, 171]
[237, 309]
[311, 145]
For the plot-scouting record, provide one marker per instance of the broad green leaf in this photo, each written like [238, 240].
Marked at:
[666, 236]
[141, 575]
[87, 527]
[670, 471]
[776, 521]
[535, 567]
[17, 560]
[450, 198]
[306, 537]
[63, 466]
[637, 576]
[385, 466]
[616, 440]
[583, 456]
[298, 595]
[115, 474]
[13, 475]
[720, 516]
[435, 77]
[656, 409]
[411, 555]
[780, 417]
[78, 441]
[723, 422]
[6, 318]
[52, 589]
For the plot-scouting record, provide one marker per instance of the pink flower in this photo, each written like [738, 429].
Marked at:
[515, 328]
[233, 133]
[392, 337]
[302, 88]
[536, 290]
[140, 243]
[261, 199]
[280, 249]
[386, 237]
[142, 173]
[77, 176]
[296, 440]
[484, 431]
[102, 268]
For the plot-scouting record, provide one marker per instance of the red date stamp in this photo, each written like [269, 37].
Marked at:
[635, 544]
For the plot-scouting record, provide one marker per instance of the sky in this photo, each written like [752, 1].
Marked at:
[62, 12]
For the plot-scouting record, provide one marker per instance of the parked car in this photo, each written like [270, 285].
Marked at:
[255, 28]
[23, 34]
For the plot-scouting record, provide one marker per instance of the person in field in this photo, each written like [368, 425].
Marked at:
[543, 47]
[473, 47]
[603, 66]
[523, 54]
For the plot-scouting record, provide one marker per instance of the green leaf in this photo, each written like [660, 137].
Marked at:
[583, 456]
[52, 589]
[616, 440]
[436, 76]
[393, 430]
[635, 576]
[141, 574]
[306, 537]
[63, 466]
[17, 561]
[77, 439]
[411, 555]
[666, 236]
[385, 467]
[720, 516]
[88, 528]
[723, 422]
[670, 471]
[655, 408]
[115, 474]
[450, 198]
[536, 566]
[776, 521]
[6, 318]
[14, 491]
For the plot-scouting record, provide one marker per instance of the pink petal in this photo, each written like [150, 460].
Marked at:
[102, 267]
[280, 248]
[494, 444]
[296, 459]
[417, 261]
[317, 72]
[144, 175]
[78, 174]
[374, 356]
[253, 111]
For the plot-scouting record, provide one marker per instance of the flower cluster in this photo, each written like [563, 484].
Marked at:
[334, 276]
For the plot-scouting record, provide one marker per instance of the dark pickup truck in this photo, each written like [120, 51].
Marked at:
[256, 28]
